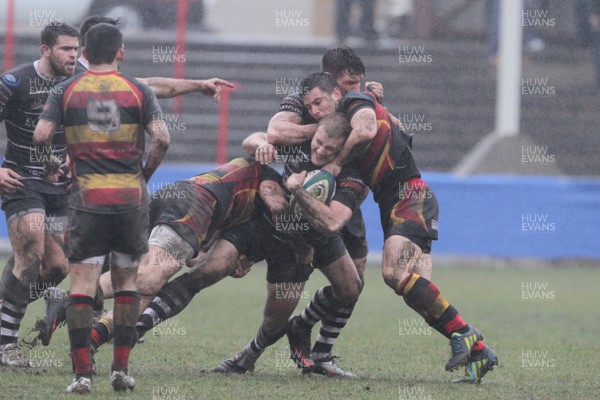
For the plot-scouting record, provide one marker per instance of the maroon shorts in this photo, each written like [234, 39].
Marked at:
[411, 211]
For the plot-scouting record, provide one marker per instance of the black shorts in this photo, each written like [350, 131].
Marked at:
[258, 240]
[27, 199]
[411, 211]
[92, 235]
[187, 211]
[354, 235]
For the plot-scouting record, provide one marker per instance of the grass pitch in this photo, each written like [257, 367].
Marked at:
[543, 324]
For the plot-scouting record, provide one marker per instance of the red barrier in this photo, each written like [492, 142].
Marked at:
[9, 40]
[223, 128]
[182, 7]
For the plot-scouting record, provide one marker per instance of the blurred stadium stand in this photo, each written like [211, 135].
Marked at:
[453, 95]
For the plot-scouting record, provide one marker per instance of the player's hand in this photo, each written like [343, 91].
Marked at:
[243, 267]
[376, 89]
[9, 180]
[265, 153]
[212, 87]
[295, 181]
[52, 171]
[333, 169]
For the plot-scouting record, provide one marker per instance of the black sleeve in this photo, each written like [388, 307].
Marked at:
[53, 109]
[293, 103]
[354, 101]
[350, 189]
[269, 174]
[595, 7]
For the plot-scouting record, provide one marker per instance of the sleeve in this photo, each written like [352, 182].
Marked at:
[295, 104]
[6, 93]
[151, 108]
[269, 174]
[353, 101]
[53, 109]
[595, 7]
[350, 189]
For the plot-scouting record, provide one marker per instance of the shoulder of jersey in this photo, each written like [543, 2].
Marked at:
[16, 75]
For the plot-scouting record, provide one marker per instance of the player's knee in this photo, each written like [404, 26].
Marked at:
[348, 293]
[389, 276]
[150, 287]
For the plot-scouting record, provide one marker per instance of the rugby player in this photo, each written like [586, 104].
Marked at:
[288, 130]
[105, 115]
[162, 88]
[408, 209]
[35, 209]
[350, 192]
[185, 215]
[264, 239]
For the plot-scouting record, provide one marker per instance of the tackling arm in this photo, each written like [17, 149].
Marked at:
[257, 146]
[364, 129]
[286, 128]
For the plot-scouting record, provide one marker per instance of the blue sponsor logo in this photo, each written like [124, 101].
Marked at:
[11, 80]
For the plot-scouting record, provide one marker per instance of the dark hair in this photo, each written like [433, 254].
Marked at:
[322, 80]
[336, 125]
[94, 20]
[103, 42]
[53, 30]
[338, 60]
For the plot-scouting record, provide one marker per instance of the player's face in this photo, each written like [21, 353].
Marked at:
[63, 55]
[320, 103]
[323, 148]
[349, 82]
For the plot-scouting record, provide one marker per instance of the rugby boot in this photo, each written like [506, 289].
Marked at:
[479, 363]
[329, 367]
[241, 363]
[461, 345]
[300, 342]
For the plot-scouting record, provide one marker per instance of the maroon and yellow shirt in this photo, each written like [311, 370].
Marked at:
[104, 115]
[388, 161]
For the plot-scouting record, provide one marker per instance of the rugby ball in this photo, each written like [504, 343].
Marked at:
[320, 184]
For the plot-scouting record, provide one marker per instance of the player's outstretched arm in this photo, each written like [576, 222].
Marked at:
[326, 219]
[165, 88]
[286, 128]
[364, 129]
[257, 146]
[157, 129]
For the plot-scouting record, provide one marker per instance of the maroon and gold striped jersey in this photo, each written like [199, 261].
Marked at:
[388, 161]
[104, 115]
[235, 185]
